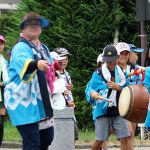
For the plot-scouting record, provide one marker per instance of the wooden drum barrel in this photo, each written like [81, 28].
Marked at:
[133, 103]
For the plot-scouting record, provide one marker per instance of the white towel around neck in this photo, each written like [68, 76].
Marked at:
[121, 81]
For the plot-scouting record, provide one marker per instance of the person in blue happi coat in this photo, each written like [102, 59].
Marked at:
[103, 91]
[27, 94]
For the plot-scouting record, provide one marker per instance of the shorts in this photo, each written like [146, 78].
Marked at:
[104, 124]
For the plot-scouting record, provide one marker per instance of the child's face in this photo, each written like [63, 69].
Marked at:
[133, 58]
[124, 56]
[1, 46]
[65, 62]
[111, 65]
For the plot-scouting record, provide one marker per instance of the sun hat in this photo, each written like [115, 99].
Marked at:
[122, 46]
[61, 51]
[34, 16]
[110, 54]
[2, 38]
[133, 48]
[100, 58]
[55, 56]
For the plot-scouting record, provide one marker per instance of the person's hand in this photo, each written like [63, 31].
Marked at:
[43, 65]
[1, 84]
[66, 92]
[71, 104]
[96, 96]
[137, 71]
[69, 86]
[114, 86]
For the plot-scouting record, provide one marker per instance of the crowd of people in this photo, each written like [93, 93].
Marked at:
[35, 80]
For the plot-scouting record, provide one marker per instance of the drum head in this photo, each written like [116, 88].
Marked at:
[124, 102]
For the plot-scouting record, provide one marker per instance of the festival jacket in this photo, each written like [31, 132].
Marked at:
[22, 95]
[146, 83]
[100, 107]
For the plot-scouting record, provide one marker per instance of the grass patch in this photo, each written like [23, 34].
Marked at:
[86, 135]
[11, 133]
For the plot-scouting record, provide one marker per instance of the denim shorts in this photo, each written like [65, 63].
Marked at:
[104, 124]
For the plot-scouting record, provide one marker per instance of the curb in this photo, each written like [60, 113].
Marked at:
[11, 145]
[87, 146]
[77, 146]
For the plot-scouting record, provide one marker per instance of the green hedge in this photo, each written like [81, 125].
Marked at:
[84, 27]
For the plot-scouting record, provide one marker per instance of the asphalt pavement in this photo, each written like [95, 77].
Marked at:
[136, 148]
[17, 146]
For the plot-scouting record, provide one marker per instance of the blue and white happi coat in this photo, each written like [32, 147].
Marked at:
[96, 83]
[146, 83]
[22, 93]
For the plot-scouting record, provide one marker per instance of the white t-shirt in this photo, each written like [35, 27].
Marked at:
[65, 75]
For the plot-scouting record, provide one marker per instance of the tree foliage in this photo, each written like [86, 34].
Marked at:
[83, 27]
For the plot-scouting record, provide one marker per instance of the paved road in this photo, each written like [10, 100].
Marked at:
[136, 148]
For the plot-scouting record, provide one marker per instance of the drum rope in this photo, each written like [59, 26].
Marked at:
[131, 103]
[136, 72]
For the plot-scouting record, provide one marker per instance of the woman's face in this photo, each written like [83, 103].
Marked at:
[124, 56]
[32, 29]
[133, 58]
[1, 46]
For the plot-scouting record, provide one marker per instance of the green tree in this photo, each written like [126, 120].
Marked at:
[83, 27]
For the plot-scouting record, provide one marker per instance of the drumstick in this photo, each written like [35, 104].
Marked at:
[141, 69]
[107, 100]
[99, 97]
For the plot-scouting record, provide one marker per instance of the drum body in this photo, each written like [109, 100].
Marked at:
[133, 103]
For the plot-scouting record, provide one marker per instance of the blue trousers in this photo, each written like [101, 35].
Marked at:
[35, 139]
[2, 118]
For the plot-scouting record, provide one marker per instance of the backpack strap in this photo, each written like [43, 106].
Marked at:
[132, 67]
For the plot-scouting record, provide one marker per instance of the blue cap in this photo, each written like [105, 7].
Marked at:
[34, 16]
[135, 49]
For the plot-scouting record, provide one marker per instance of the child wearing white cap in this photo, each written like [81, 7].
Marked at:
[124, 51]
[127, 61]
[61, 73]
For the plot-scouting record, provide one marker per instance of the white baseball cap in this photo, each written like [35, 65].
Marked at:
[122, 46]
[55, 56]
[61, 51]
